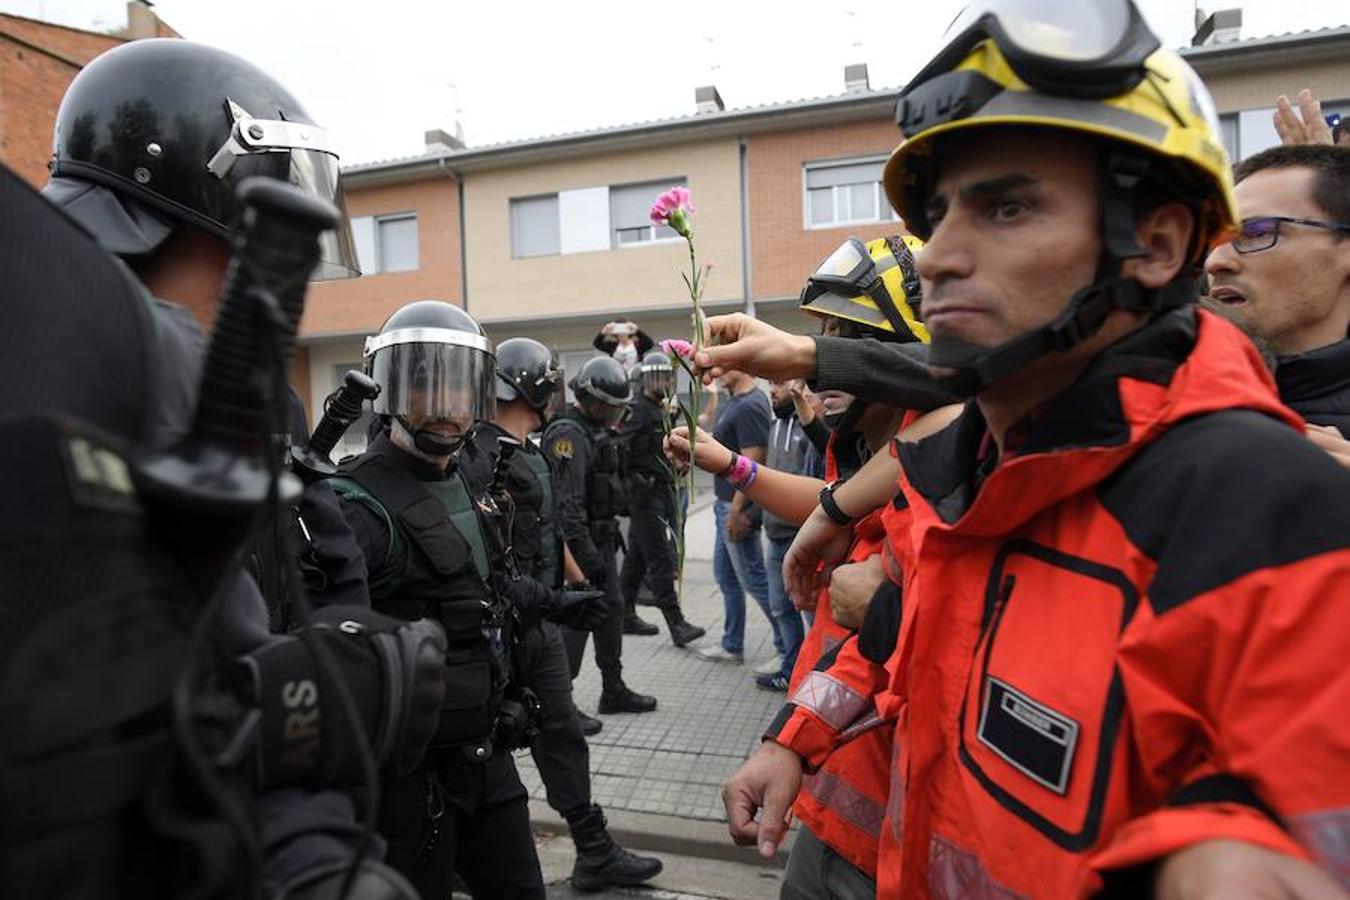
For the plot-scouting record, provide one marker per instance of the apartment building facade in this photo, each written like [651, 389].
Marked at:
[557, 240]
[549, 237]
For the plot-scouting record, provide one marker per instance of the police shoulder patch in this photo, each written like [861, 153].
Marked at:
[562, 448]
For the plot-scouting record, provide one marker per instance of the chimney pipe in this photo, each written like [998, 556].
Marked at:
[707, 100]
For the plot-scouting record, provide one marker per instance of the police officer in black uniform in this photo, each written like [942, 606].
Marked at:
[527, 379]
[151, 142]
[584, 444]
[419, 524]
[651, 554]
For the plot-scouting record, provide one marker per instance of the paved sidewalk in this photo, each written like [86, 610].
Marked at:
[710, 716]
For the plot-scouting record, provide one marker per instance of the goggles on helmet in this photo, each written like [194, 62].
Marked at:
[851, 271]
[1082, 50]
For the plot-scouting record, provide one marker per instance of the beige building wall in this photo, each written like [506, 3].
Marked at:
[611, 282]
[1256, 87]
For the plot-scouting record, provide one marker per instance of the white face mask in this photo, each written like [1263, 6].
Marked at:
[626, 355]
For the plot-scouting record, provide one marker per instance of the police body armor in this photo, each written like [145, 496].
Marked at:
[547, 566]
[431, 519]
[605, 477]
[647, 469]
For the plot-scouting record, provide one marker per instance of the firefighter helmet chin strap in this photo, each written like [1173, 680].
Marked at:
[431, 442]
[974, 368]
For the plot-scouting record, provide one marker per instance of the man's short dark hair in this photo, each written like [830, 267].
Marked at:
[1331, 184]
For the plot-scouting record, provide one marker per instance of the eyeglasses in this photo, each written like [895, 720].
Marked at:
[1263, 233]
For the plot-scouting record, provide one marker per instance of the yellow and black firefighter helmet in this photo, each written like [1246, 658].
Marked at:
[874, 285]
[1092, 68]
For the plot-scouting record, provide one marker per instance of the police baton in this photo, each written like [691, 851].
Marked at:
[224, 469]
[315, 459]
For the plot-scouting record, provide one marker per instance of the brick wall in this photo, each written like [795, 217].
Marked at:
[782, 251]
[32, 82]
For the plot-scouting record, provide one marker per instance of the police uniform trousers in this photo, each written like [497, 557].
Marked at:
[608, 637]
[453, 815]
[651, 552]
[560, 751]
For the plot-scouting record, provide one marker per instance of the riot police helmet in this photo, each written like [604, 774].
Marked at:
[435, 368]
[527, 370]
[658, 376]
[602, 390]
[157, 134]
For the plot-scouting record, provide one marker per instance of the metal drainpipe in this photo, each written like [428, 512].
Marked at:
[463, 238]
[745, 230]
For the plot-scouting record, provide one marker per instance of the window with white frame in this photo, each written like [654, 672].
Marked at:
[386, 243]
[630, 212]
[534, 226]
[353, 441]
[845, 193]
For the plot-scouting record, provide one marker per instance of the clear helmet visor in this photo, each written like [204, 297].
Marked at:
[1053, 29]
[602, 411]
[658, 382]
[430, 382]
[302, 155]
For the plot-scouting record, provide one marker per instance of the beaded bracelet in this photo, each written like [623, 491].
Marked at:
[747, 470]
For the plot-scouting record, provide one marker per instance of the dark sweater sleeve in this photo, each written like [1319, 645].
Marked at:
[818, 434]
[878, 372]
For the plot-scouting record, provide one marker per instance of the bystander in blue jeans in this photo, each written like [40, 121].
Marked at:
[738, 567]
[787, 621]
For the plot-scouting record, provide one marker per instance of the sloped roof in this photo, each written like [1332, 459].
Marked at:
[761, 117]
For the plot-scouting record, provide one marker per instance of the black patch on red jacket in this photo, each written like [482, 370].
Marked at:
[881, 626]
[1226, 494]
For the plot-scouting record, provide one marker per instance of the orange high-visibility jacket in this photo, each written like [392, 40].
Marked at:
[1126, 637]
[844, 802]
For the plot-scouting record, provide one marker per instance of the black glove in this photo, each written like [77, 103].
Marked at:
[529, 597]
[579, 607]
[395, 673]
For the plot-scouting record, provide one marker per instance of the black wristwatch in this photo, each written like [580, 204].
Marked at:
[827, 503]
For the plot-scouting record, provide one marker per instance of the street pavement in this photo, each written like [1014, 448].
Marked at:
[659, 775]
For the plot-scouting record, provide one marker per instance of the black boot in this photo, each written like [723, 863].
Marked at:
[633, 625]
[601, 863]
[681, 631]
[589, 724]
[619, 698]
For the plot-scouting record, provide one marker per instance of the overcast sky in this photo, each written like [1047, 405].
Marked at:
[380, 73]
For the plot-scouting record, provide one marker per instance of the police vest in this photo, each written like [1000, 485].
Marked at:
[427, 574]
[605, 496]
[645, 436]
[547, 567]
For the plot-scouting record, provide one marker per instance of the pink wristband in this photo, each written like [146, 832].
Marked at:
[740, 469]
[743, 473]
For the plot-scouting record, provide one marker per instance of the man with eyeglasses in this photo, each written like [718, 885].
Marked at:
[1285, 278]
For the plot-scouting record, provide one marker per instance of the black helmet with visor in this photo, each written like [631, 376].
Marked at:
[658, 376]
[602, 391]
[159, 133]
[527, 370]
[436, 370]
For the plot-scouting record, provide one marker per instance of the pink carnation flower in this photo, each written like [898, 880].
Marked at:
[673, 208]
[678, 347]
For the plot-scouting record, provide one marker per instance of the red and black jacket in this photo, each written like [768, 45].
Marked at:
[1125, 637]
